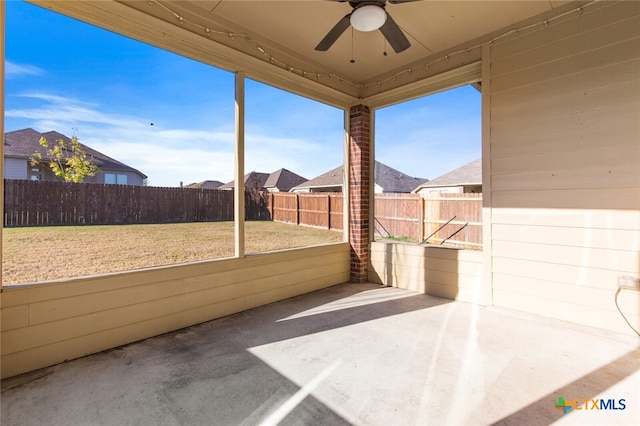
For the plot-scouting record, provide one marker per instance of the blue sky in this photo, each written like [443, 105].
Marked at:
[173, 118]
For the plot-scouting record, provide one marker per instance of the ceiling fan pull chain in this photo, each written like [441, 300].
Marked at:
[353, 61]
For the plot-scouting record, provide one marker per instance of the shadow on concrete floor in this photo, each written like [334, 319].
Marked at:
[350, 354]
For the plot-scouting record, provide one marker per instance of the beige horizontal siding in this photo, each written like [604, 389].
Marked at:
[549, 98]
[589, 297]
[49, 323]
[602, 160]
[438, 271]
[568, 310]
[600, 218]
[588, 199]
[565, 167]
[559, 43]
[575, 275]
[579, 53]
[609, 239]
[592, 18]
[607, 176]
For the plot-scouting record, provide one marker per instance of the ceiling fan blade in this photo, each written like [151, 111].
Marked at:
[394, 35]
[334, 33]
[401, 1]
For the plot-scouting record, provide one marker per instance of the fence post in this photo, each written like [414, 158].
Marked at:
[328, 211]
[297, 209]
[421, 208]
[271, 201]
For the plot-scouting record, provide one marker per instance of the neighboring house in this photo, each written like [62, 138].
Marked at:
[283, 180]
[205, 184]
[330, 181]
[21, 145]
[255, 179]
[465, 179]
[387, 180]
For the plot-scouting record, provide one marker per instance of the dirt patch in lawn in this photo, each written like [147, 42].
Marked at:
[49, 253]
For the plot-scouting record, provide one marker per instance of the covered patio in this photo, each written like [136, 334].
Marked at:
[349, 354]
[302, 336]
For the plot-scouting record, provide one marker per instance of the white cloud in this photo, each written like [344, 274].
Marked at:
[168, 166]
[169, 156]
[68, 112]
[13, 70]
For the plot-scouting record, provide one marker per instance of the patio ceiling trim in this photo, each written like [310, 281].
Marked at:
[465, 74]
[127, 21]
[178, 27]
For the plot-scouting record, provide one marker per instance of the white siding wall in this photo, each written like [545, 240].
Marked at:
[15, 168]
[565, 166]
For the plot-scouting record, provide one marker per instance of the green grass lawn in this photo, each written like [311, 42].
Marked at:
[48, 253]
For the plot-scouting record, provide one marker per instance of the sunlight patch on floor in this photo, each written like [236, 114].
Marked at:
[383, 294]
[290, 404]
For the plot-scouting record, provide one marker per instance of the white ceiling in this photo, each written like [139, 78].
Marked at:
[274, 41]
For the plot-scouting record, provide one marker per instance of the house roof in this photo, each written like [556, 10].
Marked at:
[205, 184]
[469, 174]
[331, 178]
[390, 179]
[262, 180]
[283, 180]
[24, 143]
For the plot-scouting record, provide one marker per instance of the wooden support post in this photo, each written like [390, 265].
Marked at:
[239, 197]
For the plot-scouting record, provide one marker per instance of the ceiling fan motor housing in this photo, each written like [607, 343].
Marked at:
[368, 15]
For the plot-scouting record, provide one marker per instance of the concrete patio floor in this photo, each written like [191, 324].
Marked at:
[350, 354]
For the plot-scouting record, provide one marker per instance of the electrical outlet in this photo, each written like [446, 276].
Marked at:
[629, 283]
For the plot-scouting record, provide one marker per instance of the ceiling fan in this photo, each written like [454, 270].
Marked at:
[368, 15]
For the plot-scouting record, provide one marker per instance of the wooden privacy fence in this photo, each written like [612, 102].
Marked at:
[322, 210]
[398, 215]
[28, 203]
[438, 218]
[454, 218]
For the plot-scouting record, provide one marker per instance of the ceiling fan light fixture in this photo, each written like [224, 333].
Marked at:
[368, 18]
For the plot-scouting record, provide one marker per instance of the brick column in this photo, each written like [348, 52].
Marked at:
[359, 161]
